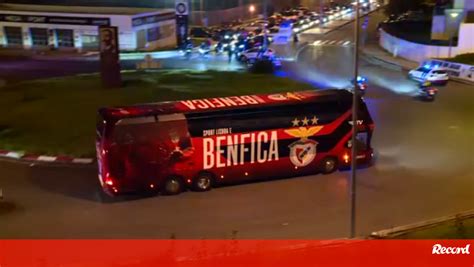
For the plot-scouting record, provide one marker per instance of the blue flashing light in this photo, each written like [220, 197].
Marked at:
[427, 66]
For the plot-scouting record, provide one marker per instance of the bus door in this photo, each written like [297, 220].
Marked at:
[363, 140]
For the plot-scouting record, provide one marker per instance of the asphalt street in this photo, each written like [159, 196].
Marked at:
[424, 169]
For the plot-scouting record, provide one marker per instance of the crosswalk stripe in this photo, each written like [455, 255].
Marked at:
[332, 42]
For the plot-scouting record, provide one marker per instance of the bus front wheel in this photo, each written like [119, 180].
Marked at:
[203, 182]
[328, 165]
[173, 186]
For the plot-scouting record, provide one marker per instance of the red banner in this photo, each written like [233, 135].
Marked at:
[145, 253]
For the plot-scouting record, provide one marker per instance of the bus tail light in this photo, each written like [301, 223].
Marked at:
[109, 181]
[346, 158]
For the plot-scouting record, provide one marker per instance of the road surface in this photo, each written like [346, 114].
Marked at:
[424, 169]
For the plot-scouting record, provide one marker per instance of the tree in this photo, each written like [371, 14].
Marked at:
[398, 7]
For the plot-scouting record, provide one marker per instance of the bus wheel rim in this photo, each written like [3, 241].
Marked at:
[172, 186]
[203, 183]
[330, 164]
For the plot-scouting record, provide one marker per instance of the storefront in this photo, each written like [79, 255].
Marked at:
[76, 28]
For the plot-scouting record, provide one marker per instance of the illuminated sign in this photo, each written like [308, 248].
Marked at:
[232, 150]
[55, 20]
[152, 19]
[220, 102]
[234, 101]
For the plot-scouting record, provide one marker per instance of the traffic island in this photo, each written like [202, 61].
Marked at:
[57, 116]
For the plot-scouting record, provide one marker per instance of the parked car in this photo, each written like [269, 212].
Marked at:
[199, 32]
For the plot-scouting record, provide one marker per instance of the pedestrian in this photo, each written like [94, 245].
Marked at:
[229, 53]
[295, 38]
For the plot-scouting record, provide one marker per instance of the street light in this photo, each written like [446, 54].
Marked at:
[355, 101]
[252, 9]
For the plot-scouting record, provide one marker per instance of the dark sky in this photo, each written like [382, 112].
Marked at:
[136, 3]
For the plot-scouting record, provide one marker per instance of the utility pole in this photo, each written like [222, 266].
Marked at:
[321, 22]
[265, 18]
[201, 8]
[450, 43]
[354, 122]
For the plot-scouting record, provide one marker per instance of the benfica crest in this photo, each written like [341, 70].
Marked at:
[303, 151]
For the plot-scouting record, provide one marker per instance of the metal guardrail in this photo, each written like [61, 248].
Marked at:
[400, 230]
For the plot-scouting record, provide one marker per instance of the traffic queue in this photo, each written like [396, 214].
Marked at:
[244, 41]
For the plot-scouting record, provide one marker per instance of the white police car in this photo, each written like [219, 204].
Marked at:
[433, 74]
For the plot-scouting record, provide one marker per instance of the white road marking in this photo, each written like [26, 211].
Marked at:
[46, 158]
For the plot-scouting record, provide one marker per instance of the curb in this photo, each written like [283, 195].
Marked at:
[22, 156]
[400, 230]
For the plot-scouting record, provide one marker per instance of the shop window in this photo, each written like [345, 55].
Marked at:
[90, 41]
[14, 35]
[153, 34]
[39, 36]
[65, 38]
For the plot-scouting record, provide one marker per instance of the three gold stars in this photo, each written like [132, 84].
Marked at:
[305, 121]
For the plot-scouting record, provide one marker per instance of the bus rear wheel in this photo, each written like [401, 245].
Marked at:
[203, 182]
[328, 165]
[173, 186]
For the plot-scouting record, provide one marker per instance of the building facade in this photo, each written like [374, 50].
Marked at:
[208, 12]
[76, 27]
[449, 17]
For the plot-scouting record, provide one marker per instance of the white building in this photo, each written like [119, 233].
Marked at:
[448, 20]
[76, 27]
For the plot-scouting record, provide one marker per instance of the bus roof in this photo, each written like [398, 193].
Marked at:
[224, 103]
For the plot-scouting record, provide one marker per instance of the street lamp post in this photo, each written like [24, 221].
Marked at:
[265, 18]
[450, 44]
[201, 7]
[454, 16]
[354, 124]
[321, 20]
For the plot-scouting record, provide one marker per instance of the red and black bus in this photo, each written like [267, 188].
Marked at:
[197, 144]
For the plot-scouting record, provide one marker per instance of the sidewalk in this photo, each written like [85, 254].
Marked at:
[375, 52]
[46, 54]
[80, 56]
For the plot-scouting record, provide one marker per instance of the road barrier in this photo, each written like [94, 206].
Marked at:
[410, 228]
[455, 70]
